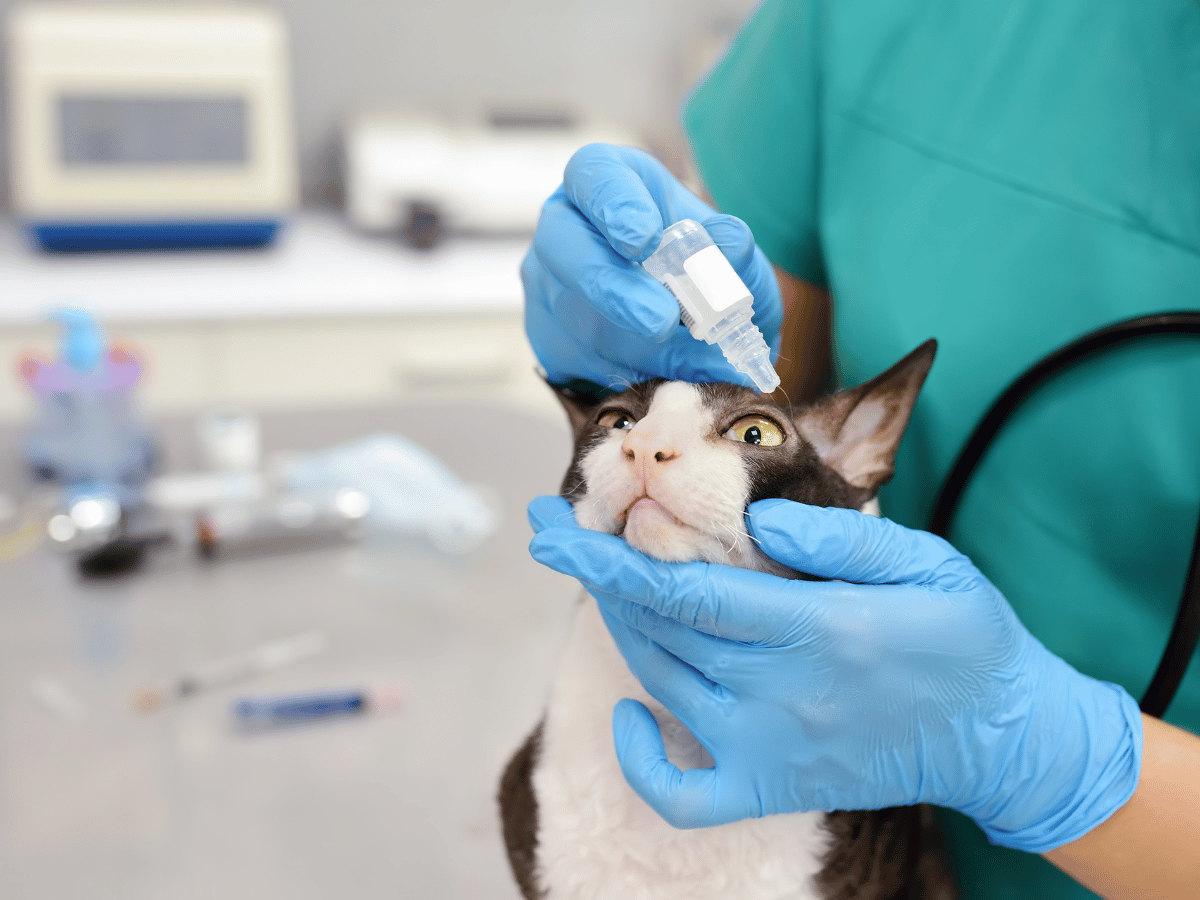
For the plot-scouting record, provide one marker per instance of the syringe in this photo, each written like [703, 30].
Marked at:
[714, 303]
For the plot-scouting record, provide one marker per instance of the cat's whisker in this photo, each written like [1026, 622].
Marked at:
[619, 384]
[737, 536]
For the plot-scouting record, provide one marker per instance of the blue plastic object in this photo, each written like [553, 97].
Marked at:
[72, 237]
[906, 679]
[286, 709]
[82, 342]
[86, 435]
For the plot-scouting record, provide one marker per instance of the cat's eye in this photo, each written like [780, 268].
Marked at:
[615, 418]
[756, 430]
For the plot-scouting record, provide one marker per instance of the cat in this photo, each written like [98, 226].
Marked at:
[671, 466]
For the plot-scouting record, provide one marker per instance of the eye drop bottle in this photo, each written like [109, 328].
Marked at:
[715, 305]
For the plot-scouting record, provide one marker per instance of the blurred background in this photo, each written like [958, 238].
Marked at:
[268, 626]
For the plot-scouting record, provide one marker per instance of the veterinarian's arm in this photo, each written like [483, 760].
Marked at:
[804, 350]
[1147, 849]
[591, 311]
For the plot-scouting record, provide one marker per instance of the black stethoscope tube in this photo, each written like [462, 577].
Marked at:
[1185, 632]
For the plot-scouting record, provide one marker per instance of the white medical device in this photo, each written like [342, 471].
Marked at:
[487, 178]
[714, 303]
[150, 125]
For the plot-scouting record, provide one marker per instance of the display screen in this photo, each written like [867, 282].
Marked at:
[151, 131]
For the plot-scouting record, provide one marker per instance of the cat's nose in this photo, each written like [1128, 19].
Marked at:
[648, 446]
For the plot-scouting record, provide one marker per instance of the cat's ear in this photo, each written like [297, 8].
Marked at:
[857, 431]
[579, 412]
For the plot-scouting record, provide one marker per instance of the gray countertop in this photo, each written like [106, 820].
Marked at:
[179, 804]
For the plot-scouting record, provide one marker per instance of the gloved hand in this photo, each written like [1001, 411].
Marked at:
[909, 681]
[592, 311]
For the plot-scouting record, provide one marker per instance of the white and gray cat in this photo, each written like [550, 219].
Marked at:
[671, 466]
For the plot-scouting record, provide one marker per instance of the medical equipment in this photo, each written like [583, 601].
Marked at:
[291, 522]
[220, 672]
[421, 177]
[1185, 631]
[87, 436]
[714, 303]
[150, 125]
[309, 706]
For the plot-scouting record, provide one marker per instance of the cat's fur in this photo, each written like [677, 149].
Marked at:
[675, 481]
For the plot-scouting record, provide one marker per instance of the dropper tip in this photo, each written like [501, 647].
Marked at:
[763, 375]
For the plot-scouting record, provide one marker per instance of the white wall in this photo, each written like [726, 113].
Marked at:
[629, 61]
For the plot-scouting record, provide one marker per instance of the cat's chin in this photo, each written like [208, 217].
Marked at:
[650, 528]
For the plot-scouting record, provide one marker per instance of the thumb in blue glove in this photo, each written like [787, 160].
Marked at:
[591, 310]
[908, 680]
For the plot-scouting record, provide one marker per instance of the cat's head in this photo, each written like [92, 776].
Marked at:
[671, 466]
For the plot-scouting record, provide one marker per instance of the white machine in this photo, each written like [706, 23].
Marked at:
[150, 125]
[418, 176]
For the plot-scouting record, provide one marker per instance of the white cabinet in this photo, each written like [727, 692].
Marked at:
[327, 318]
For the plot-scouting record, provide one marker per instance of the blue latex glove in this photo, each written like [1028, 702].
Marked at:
[592, 311]
[914, 683]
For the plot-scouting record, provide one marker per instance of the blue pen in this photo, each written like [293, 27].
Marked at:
[286, 709]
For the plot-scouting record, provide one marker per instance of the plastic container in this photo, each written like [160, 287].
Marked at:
[715, 305]
[87, 435]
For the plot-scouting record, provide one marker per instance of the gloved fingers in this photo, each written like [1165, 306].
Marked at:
[712, 659]
[683, 799]
[732, 235]
[669, 680]
[673, 201]
[581, 353]
[613, 197]
[581, 260]
[736, 241]
[698, 675]
[677, 202]
[687, 359]
[847, 545]
[681, 358]
[584, 268]
[550, 510]
[736, 604]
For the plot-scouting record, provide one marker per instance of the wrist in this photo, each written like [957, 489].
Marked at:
[1075, 760]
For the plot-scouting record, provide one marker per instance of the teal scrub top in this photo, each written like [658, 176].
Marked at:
[1003, 175]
